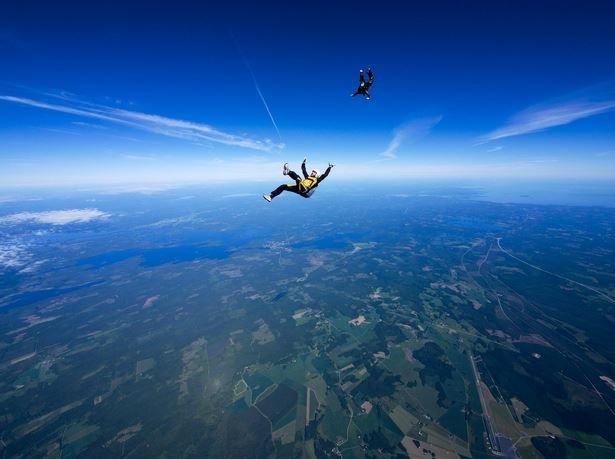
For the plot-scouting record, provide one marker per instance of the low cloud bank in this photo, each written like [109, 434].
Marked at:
[56, 217]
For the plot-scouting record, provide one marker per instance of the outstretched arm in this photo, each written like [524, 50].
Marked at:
[303, 169]
[324, 176]
[361, 76]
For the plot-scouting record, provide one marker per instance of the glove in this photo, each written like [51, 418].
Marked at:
[304, 159]
[331, 165]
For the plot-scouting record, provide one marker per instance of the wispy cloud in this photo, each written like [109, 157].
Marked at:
[56, 217]
[162, 125]
[32, 267]
[494, 149]
[409, 131]
[103, 131]
[13, 255]
[541, 117]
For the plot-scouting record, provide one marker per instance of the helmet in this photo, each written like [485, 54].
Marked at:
[317, 171]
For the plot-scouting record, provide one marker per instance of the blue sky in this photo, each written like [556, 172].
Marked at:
[153, 92]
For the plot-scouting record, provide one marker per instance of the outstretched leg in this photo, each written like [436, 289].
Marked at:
[371, 79]
[285, 187]
[292, 188]
[293, 175]
[361, 76]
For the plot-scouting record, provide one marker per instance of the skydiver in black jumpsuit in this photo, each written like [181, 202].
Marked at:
[364, 85]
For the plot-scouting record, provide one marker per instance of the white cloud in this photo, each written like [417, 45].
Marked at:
[409, 131]
[16, 254]
[238, 195]
[170, 127]
[391, 151]
[32, 267]
[13, 255]
[17, 199]
[494, 149]
[542, 117]
[56, 217]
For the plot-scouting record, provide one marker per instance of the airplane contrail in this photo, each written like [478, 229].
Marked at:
[260, 94]
[258, 89]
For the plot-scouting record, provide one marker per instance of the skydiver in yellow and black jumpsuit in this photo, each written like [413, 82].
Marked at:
[305, 186]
